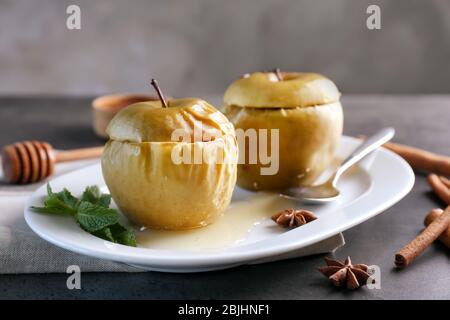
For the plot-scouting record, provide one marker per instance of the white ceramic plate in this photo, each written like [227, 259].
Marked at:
[365, 193]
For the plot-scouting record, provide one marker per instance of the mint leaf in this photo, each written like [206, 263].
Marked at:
[64, 197]
[92, 217]
[68, 199]
[118, 234]
[49, 190]
[53, 210]
[123, 235]
[90, 194]
[104, 200]
[105, 234]
[58, 203]
[93, 195]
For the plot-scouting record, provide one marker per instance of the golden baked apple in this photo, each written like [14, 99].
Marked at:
[161, 180]
[305, 109]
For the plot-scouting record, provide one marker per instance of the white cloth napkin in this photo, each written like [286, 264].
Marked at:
[22, 251]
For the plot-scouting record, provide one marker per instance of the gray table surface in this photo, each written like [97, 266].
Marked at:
[420, 120]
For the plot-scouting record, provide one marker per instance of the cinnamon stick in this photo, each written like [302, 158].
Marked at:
[439, 187]
[445, 181]
[433, 215]
[407, 254]
[420, 159]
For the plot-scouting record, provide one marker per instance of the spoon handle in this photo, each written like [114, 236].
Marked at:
[366, 147]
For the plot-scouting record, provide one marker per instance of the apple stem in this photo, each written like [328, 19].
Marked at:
[155, 85]
[278, 74]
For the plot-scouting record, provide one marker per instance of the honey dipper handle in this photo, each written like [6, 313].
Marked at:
[78, 154]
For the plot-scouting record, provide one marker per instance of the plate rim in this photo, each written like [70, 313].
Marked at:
[214, 258]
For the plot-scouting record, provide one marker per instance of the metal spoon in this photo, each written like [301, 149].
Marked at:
[328, 191]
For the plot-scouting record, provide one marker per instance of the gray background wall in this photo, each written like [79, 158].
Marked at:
[197, 47]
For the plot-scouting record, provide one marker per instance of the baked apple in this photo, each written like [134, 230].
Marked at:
[146, 180]
[305, 109]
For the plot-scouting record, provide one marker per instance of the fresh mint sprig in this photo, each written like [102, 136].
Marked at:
[91, 212]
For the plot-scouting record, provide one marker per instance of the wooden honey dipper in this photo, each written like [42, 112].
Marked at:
[32, 161]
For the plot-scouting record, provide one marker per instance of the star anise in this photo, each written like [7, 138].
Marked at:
[345, 274]
[290, 218]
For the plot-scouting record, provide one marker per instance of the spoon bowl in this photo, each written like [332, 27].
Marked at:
[328, 191]
[321, 193]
